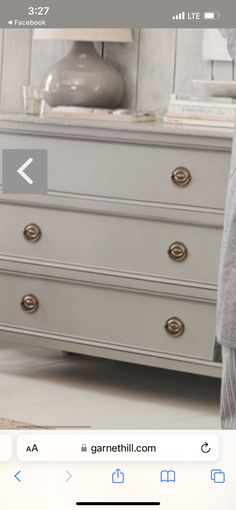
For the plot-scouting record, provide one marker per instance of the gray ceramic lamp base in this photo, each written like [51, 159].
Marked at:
[83, 78]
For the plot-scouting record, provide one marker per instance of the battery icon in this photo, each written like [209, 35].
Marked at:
[211, 15]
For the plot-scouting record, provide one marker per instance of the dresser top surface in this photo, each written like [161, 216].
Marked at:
[153, 132]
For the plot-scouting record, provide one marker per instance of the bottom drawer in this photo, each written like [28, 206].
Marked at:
[108, 316]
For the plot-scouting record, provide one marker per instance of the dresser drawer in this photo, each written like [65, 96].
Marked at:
[115, 243]
[106, 316]
[135, 172]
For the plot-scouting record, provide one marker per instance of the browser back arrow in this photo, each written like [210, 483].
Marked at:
[16, 476]
[21, 172]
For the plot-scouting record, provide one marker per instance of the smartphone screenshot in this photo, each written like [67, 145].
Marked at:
[117, 255]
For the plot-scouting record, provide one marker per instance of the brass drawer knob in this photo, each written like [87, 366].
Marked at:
[174, 326]
[178, 251]
[30, 303]
[32, 232]
[181, 176]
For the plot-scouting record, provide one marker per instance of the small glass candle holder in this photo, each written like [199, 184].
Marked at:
[33, 99]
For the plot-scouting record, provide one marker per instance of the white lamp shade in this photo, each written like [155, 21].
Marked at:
[86, 34]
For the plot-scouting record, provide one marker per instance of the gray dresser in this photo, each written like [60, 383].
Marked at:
[120, 259]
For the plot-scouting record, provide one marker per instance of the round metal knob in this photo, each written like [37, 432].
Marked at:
[174, 326]
[178, 251]
[181, 176]
[32, 232]
[30, 303]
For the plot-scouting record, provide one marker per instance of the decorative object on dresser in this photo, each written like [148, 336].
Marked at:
[116, 115]
[83, 78]
[216, 88]
[201, 111]
[120, 258]
[33, 99]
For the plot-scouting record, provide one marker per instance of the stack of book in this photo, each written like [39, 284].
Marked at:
[117, 115]
[201, 111]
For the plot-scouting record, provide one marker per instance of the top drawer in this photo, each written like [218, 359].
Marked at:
[134, 172]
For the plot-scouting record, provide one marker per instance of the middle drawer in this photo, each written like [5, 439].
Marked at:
[114, 243]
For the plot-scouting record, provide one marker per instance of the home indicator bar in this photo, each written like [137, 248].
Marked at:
[120, 503]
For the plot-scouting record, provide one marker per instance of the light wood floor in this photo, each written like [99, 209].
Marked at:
[47, 388]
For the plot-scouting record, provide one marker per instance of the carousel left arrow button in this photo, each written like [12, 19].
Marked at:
[24, 171]
[21, 171]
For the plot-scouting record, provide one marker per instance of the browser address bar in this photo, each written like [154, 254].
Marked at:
[128, 446]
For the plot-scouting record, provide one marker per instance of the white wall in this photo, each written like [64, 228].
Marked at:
[158, 62]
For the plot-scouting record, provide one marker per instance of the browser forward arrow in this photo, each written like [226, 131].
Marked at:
[68, 476]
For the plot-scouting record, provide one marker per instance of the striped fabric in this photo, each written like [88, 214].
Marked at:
[228, 389]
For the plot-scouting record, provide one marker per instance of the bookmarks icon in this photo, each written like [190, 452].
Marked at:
[168, 475]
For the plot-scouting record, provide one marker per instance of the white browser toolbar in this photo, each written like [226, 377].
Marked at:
[119, 446]
[64, 469]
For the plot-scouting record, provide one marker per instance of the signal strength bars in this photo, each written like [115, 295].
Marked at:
[179, 16]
